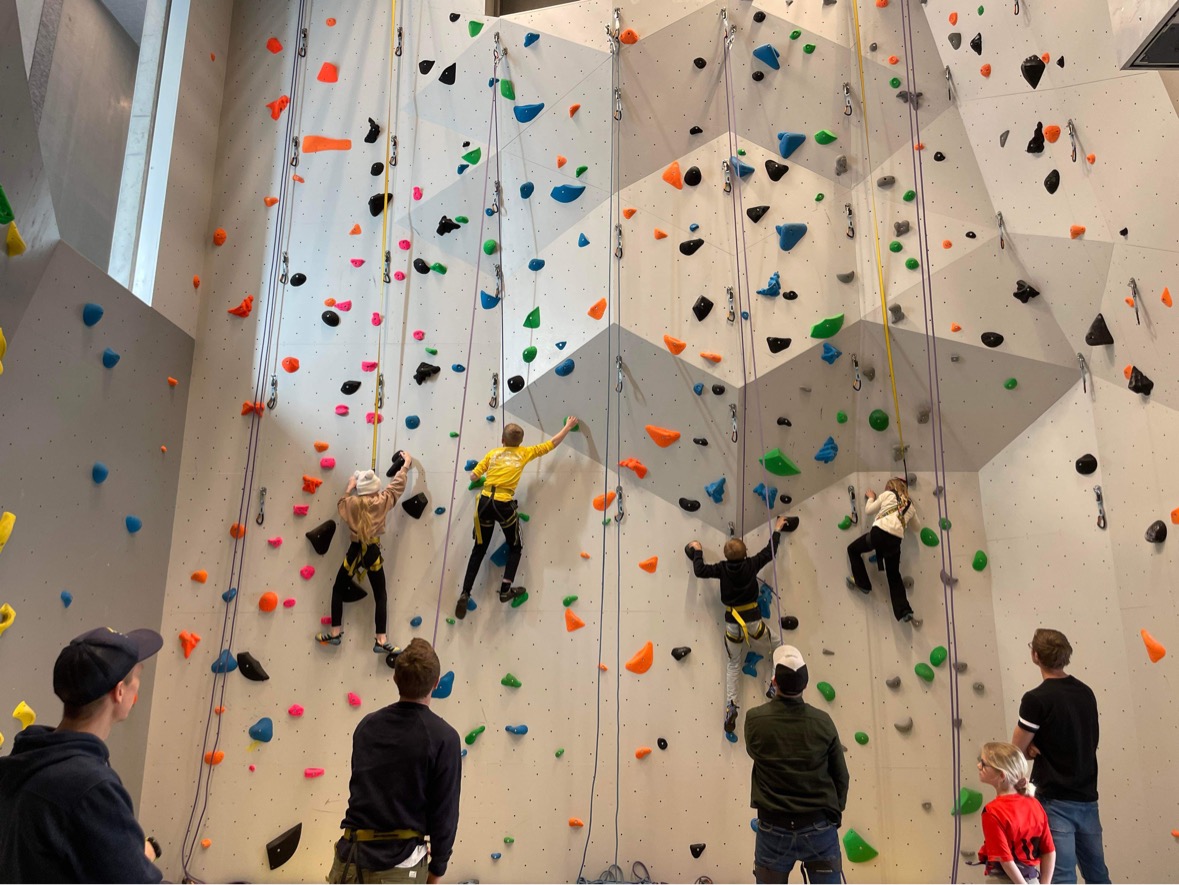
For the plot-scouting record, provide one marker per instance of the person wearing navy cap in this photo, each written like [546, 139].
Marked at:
[64, 814]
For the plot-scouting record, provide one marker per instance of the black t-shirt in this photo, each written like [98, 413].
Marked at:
[1062, 714]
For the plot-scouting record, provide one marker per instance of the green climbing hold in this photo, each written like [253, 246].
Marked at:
[438, 267]
[508, 840]
[828, 327]
[523, 517]
[856, 849]
[473, 156]
[861, 738]
[6, 213]
[878, 420]
[473, 734]
[895, 246]
[794, 35]
[778, 464]
[450, 621]
[476, 483]
[532, 321]
[969, 801]
[841, 417]
[433, 351]
[895, 82]
[1011, 384]
[909, 196]
[454, 434]
[826, 690]
[845, 523]
[945, 524]
[580, 171]
[924, 671]
[569, 600]
[529, 353]
[929, 537]
[980, 561]
[489, 247]
[560, 752]
[520, 600]
[462, 219]
[938, 656]
[473, 28]
[912, 263]
[819, 197]
[740, 152]
[510, 681]
[981, 10]
[507, 90]
[825, 136]
[808, 48]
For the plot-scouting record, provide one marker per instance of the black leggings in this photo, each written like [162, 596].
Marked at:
[489, 513]
[368, 557]
[888, 552]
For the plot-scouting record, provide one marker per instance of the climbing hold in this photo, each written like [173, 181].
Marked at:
[532, 321]
[660, 234]
[262, 730]
[650, 564]
[938, 655]
[969, 801]
[330, 317]
[1098, 333]
[827, 451]
[445, 686]
[628, 36]
[572, 621]
[825, 136]
[991, 339]
[133, 523]
[789, 235]
[826, 690]
[530, 38]
[710, 356]
[229, 595]
[924, 671]
[716, 490]
[861, 738]
[516, 383]
[827, 327]
[767, 55]
[312, 772]
[529, 354]
[777, 345]
[188, 641]
[1032, 69]
[268, 602]
[525, 113]
[743, 170]
[690, 247]
[778, 464]
[312, 144]
[225, 662]
[1052, 181]
[673, 176]
[110, 358]
[250, 668]
[1036, 143]
[416, 505]
[1155, 650]
[510, 681]
[214, 757]
[448, 74]
[520, 730]
[662, 436]
[1024, 292]
[565, 367]
[1165, 297]
[567, 193]
[878, 420]
[1156, 532]
[980, 561]
[904, 726]
[773, 288]
[642, 752]
[702, 307]
[689, 505]
[929, 537]
[1139, 383]
[675, 345]
[642, 659]
[536, 264]
[830, 353]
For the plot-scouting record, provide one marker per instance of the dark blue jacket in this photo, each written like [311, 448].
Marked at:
[64, 815]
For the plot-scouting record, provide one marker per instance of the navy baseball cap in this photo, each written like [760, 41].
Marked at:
[97, 661]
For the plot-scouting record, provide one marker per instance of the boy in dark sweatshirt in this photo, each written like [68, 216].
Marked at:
[739, 588]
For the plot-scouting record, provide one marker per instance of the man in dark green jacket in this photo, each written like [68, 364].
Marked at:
[800, 780]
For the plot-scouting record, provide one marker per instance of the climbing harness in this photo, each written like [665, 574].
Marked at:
[1100, 507]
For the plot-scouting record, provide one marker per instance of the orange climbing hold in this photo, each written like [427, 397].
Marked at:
[196, 281]
[673, 176]
[601, 502]
[321, 446]
[710, 356]
[572, 621]
[1045, 58]
[662, 436]
[629, 36]
[205, 843]
[290, 364]
[172, 382]
[218, 710]
[954, 327]
[355, 232]
[313, 144]
[330, 302]
[947, 244]
[675, 345]
[636, 465]
[919, 146]
[629, 213]
[584, 555]
[243, 309]
[881, 4]
[574, 108]
[602, 667]
[331, 22]
[1166, 299]
[220, 236]
[259, 408]
[644, 752]
[1128, 370]
[1155, 650]
[237, 530]
[576, 822]
[893, 60]
[1090, 159]
[329, 73]
[200, 576]
[985, 70]
[561, 160]
[270, 202]
[214, 757]
[1129, 301]
[660, 234]
[278, 106]
[642, 660]
[268, 602]
[953, 18]
[274, 45]
[1075, 231]
[1051, 133]
[650, 564]
[598, 309]
[188, 641]
[311, 483]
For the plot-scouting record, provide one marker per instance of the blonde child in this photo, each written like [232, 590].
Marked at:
[893, 511]
[1017, 842]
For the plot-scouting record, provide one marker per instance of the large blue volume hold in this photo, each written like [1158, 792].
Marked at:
[525, 113]
[767, 55]
[567, 193]
[789, 142]
[789, 235]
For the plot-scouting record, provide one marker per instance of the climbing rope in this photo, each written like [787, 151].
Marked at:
[277, 278]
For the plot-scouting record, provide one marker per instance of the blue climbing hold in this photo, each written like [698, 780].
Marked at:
[445, 686]
[530, 38]
[491, 419]
[767, 55]
[458, 367]
[67, 598]
[582, 240]
[693, 227]
[753, 824]
[109, 358]
[516, 729]
[438, 511]
[750, 666]
[565, 367]
[768, 495]
[229, 595]
[789, 235]
[789, 142]
[765, 597]
[773, 288]
[526, 113]
[744, 314]
[716, 490]
[99, 472]
[470, 465]
[526, 189]
[830, 353]
[463, 753]
[92, 313]
[489, 301]
[731, 737]
[262, 730]
[225, 662]
[561, 345]
[500, 556]
[462, 167]
[536, 264]
[698, 388]
[567, 193]
[827, 451]
[743, 170]
[495, 855]
[415, 621]
[413, 422]
[134, 524]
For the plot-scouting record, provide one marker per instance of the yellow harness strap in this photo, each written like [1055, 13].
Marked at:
[735, 611]
[380, 835]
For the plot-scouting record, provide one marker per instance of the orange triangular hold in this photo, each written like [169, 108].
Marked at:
[642, 660]
[572, 621]
[1075, 231]
[214, 757]
[270, 201]
[954, 327]
[311, 483]
[636, 465]
[172, 382]
[1051, 133]
[329, 73]
[660, 234]
[675, 345]
[321, 446]
[576, 822]
[200, 576]
[1155, 649]
[355, 232]
[598, 309]
[650, 564]
[985, 70]
[574, 108]
[710, 356]
[1167, 296]
[243, 309]
[662, 436]
[561, 160]
[601, 502]
[628, 36]
[314, 143]
[237, 530]
[188, 641]
[642, 752]
[673, 176]
[629, 213]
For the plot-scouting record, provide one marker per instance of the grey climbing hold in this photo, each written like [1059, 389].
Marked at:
[923, 415]
[886, 181]
[828, 652]
[912, 98]
[841, 164]
[979, 688]
[948, 579]
[869, 373]
[905, 725]
[901, 227]
[846, 277]
[1098, 335]
[1024, 291]
[1052, 181]
[1036, 143]
[956, 40]
[897, 313]
[960, 666]
[893, 682]
[928, 806]
[907, 580]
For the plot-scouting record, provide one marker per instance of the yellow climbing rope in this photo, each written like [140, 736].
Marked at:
[896, 404]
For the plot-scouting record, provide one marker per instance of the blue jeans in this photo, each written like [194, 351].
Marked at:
[816, 847]
[1076, 830]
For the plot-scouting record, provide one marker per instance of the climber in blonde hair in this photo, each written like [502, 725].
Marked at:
[1017, 843]
[893, 510]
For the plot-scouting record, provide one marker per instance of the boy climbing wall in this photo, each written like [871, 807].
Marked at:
[501, 470]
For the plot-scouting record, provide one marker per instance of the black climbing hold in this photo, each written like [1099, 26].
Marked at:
[938, 156]
[690, 247]
[791, 524]
[913, 98]
[956, 40]
[446, 225]
[695, 130]
[757, 213]
[454, 16]
[784, 499]
[298, 279]
[700, 441]
[759, 16]
[776, 170]
[397, 463]
[718, 389]
[689, 505]
[352, 592]
[349, 387]
[976, 43]
[789, 622]
[1003, 137]
[697, 849]
[1060, 62]
[377, 203]
[1032, 70]
[1036, 145]
[424, 371]
[419, 264]
[280, 849]
[699, 62]
[416, 505]
[783, 421]
[692, 176]
[425, 66]
[992, 339]
[448, 74]
[702, 307]
[516, 383]
[661, 743]
[777, 345]
[1125, 232]
[1139, 383]
[1098, 333]
[1024, 292]
[790, 295]
[1156, 532]
[321, 536]
[758, 76]
[249, 667]
[374, 132]
[330, 317]
[376, 169]
[680, 652]
[1052, 181]
[1086, 464]
[970, 235]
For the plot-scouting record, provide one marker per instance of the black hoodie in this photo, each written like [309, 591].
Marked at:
[738, 580]
[64, 814]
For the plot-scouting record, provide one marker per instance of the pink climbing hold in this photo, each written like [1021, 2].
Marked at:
[353, 699]
[417, 193]
[399, 275]
[274, 542]
[289, 602]
[357, 262]
[343, 306]
[301, 509]
[418, 335]
[368, 418]
[307, 572]
[312, 772]
[252, 768]
[341, 410]
[325, 621]
[327, 462]
[368, 365]
[376, 318]
[295, 710]
[403, 245]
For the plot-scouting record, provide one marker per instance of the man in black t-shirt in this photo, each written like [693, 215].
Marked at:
[1058, 730]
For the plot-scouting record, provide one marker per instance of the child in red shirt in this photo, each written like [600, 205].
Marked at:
[1017, 842]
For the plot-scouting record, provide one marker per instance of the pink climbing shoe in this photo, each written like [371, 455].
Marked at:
[328, 638]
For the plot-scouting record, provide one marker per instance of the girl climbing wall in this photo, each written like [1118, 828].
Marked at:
[893, 511]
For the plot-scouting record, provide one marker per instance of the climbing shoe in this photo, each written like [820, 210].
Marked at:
[460, 607]
[385, 648]
[328, 639]
[852, 585]
[507, 594]
[911, 618]
[731, 717]
[772, 690]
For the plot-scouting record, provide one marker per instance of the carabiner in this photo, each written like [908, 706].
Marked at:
[272, 402]
[847, 102]
[733, 416]
[380, 391]
[303, 43]
[618, 103]
[851, 228]
[393, 151]
[618, 385]
[949, 84]
[400, 35]
[388, 262]
[499, 280]
[494, 401]
[261, 517]
[1072, 137]
[858, 383]
[1084, 372]
[855, 516]
[728, 176]
[1134, 299]
[1100, 507]
[286, 263]
[620, 512]
[618, 241]
[732, 317]
[1002, 230]
[294, 150]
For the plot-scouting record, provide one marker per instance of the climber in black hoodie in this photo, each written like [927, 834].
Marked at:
[739, 588]
[64, 814]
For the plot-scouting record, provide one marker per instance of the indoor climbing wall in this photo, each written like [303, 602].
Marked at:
[711, 150]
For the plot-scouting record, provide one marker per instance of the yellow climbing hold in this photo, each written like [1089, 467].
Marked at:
[3, 350]
[7, 521]
[14, 241]
[25, 714]
[7, 616]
